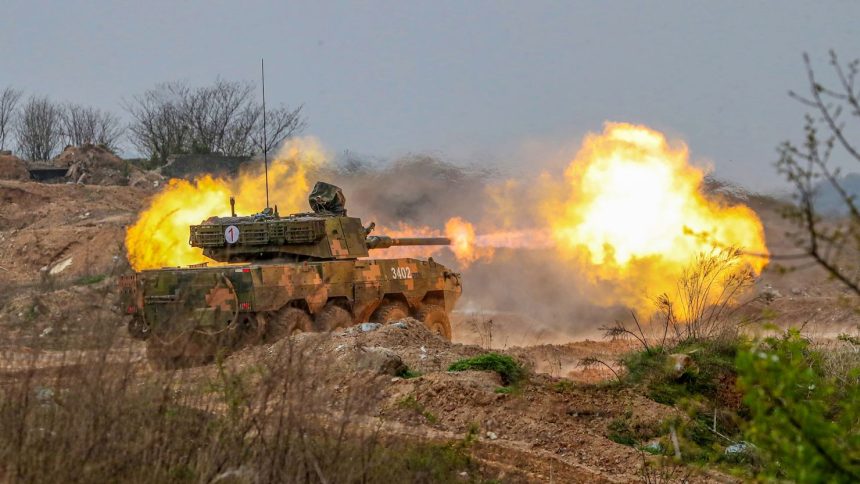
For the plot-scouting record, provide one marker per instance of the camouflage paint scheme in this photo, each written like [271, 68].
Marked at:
[300, 272]
[305, 271]
[211, 299]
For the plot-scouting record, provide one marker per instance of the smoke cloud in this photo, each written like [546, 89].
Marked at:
[524, 287]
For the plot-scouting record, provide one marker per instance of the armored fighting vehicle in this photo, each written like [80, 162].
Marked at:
[280, 275]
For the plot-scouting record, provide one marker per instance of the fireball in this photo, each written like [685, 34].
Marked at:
[635, 211]
[159, 238]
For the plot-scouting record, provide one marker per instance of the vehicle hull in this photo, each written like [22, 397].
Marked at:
[219, 300]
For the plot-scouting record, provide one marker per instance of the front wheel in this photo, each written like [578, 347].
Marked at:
[436, 319]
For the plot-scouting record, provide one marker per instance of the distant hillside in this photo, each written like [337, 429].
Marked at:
[829, 202]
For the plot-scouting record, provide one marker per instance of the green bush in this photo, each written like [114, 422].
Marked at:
[563, 386]
[713, 364]
[620, 432]
[93, 279]
[805, 422]
[408, 373]
[628, 429]
[509, 369]
[705, 392]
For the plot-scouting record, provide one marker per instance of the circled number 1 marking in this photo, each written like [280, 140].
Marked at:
[401, 273]
[231, 234]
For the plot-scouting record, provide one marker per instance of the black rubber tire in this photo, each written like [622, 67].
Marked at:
[332, 317]
[287, 322]
[390, 311]
[436, 320]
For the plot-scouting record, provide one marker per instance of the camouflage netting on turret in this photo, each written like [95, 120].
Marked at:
[327, 198]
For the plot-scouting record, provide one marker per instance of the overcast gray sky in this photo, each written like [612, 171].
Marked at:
[509, 83]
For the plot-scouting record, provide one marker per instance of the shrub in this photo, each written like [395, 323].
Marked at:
[92, 279]
[509, 369]
[802, 419]
[628, 429]
[705, 391]
[408, 373]
[563, 386]
[713, 366]
[286, 418]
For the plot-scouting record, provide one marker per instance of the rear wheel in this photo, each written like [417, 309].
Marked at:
[390, 311]
[287, 322]
[332, 317]
[436, 319]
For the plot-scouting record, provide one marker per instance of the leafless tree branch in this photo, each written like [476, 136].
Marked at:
[158, 125]
[38, 128]
[82, 125]
[834, 244]
[9, 98]
[221, 118]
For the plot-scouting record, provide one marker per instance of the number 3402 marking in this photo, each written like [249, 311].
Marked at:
[401, 273]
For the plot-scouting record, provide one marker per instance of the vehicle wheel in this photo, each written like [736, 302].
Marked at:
[332, 317]
[390, 311]
[436, 319]
[287, 322]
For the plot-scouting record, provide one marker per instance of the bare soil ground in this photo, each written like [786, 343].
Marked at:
[61, 247]
[12, 167]
[539, 432]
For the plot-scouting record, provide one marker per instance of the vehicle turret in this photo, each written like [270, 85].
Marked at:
[327, 233]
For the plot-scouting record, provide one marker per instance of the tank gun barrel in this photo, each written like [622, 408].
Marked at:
[384, 242]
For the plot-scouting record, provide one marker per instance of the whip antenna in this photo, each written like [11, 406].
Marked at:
[265, 143]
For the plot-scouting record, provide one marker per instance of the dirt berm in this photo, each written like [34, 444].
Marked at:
[12, 167]
[97, 165]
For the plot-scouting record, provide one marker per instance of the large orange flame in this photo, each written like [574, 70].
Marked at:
[632, 196]
[159, 238]
[633, 211]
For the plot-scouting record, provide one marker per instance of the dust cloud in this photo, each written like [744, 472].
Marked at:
[529, 292]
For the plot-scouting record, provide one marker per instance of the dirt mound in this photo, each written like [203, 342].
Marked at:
[547, 428]
[12, 167]
[416, 346]
[61, 246]
[97, 165]
[70, 231]
[61, 316]
[421, 349]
